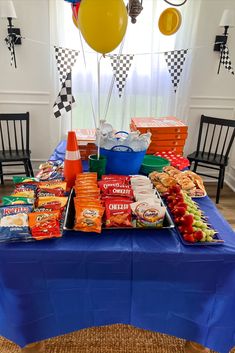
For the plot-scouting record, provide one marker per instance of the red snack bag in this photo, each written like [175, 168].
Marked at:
[118, 213]
[50, 192]
[125, 178]
[103, 184]
[120, 191]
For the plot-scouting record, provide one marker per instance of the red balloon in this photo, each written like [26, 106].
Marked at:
[75, 8]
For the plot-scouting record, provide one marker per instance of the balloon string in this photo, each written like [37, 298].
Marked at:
[98, 104]
[84, 60]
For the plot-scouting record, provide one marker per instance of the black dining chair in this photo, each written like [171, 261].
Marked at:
[14, 137]
[214, 143]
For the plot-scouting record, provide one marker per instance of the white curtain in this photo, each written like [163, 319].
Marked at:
[149, 90]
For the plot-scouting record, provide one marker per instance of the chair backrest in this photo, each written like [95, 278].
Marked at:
[215, 136]
[14, 132]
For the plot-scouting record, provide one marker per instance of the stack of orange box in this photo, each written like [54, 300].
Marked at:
[168, 133]
[86, 142]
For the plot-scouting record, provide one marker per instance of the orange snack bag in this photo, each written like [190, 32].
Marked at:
[44, 224]
[88, 218]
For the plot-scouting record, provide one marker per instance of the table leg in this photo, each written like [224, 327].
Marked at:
[193, 347]
[37, 347]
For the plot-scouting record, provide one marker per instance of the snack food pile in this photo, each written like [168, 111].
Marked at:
[34, 210]
[88, 207]
[51, 170]
[116, 201]
[189, 181]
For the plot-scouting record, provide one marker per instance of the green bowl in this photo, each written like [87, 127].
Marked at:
[153, 163]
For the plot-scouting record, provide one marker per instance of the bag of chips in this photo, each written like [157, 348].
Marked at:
[45, 224]
[14, 200]
[149, 213]
[21, 179]
[118, 213]
[14, 223]
[88, 218]
[50, 192]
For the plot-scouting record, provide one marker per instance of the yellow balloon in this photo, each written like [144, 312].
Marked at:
[75, 21]
[103, 23]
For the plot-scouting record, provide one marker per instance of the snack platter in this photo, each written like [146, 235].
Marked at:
[70, 218]
[217, 238]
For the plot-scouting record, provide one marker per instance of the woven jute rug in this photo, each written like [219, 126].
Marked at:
[108, 339]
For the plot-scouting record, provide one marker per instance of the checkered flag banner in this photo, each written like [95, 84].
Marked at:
[10, 44]
[65, 58]
[225, 59]
[121, 65]
[175, 61]
[64, 100]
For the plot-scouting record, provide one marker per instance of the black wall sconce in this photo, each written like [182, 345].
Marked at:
[227, 20]
[7, 10]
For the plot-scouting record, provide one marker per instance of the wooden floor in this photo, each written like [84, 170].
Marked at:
[226, 205]
[227, 201]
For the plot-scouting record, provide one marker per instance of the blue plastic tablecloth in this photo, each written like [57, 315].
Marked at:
[146, 278]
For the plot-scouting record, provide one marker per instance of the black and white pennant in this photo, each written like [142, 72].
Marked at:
[121, 65]
[175, 61]
[65, 58]
[225, 59]
[10, 46]
[64, 100]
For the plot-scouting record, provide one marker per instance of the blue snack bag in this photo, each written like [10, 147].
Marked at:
[14, 223]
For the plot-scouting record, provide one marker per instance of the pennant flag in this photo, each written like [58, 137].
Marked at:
[65, 58]
[10, 46]
[121, 65]
[225, 59]
[64, 100]
[175, 61]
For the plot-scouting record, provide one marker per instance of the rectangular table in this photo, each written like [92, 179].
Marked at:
[145, 278]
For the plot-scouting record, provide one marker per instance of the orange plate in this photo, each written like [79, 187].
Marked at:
[169, 21]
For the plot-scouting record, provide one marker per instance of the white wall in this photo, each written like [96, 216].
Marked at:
[211, 94]
[28, 87]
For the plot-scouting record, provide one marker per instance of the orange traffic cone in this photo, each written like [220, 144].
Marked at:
[72, 162]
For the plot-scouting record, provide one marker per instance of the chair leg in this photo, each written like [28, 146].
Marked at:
[30, 168]
[221, 172]
[222, 182]
[195, 166]
[1, 173]
[26, 168]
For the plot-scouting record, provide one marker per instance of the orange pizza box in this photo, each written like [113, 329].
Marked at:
[164, 137]
[85, 136]
[165, 143]
[169, 124]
